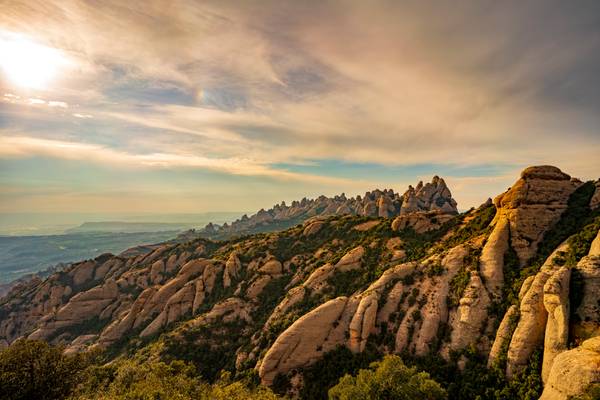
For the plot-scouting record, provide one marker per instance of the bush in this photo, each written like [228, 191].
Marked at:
[31, 369]
[155, 380]
[591, 393]
[388, 379]
[326, 372]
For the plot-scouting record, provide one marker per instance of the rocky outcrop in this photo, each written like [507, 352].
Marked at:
[529, 333]
[307, 339]
[81, 308]
[434, 312]
[434, 196]
[573, 371]
[556, 302]
[272, 267]
[503, 335]
[233, 267]
[421, 222]
[365, 226]
[313, 227]
[587, 323]
[471, 315]
[533, 205]
[491, 262]
[229, 310]
[363, 322]
[595, 246]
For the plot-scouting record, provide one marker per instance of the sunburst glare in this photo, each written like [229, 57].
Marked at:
[28, 64]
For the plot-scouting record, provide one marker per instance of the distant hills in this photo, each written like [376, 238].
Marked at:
[128, 227]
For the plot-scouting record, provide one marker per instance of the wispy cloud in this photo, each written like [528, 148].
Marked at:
[18, 146]
[238, 88]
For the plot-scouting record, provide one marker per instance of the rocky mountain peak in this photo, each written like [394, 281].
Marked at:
[433, 196]
[544, 172]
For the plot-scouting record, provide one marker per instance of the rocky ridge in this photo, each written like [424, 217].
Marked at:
[434, 196]
[510, 281]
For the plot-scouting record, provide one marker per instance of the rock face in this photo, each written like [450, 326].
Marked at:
[232, 269]
[421, 222]
[573, 371]
[529, 333]
[471, 314]
[532, 205]
[434, 196]
[569, 372]
[305, 341]
[503, 334]
[595, 246]
[556, 302]
[588, 311]
[491, 262]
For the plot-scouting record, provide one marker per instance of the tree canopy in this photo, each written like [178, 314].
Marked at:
[387, 379]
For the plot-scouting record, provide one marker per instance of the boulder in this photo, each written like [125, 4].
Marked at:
[83, 272]
[306, 340]
[573, 371]
[350, 260]
[272, 267]
[313, 228]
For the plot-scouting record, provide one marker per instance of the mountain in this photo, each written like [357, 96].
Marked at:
[504, 295]
[22, 255]
[434, 196]
[127, 227]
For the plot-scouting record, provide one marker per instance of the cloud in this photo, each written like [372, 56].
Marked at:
[19, 146]
[240, 86]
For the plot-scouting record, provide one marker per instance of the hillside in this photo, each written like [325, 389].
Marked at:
[501, 301]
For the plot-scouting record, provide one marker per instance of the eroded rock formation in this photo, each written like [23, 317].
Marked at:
[282, 300]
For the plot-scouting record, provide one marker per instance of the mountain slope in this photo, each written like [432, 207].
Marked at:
[508, 285]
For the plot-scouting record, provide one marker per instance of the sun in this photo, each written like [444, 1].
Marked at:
[29, 64]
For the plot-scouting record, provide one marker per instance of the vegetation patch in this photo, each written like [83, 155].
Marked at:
[326, 372]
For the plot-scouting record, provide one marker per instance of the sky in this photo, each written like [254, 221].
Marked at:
[196, 106]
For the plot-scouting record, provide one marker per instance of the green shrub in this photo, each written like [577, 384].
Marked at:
[387, 379]
[326, 372]
[31, 369]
